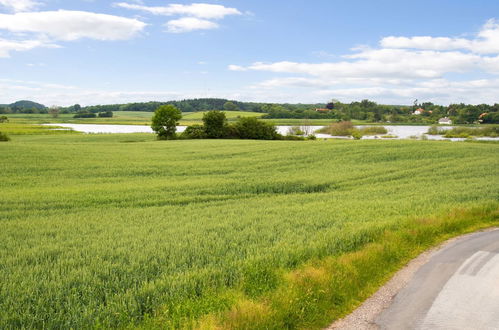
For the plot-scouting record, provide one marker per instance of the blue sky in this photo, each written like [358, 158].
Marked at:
[96, 52]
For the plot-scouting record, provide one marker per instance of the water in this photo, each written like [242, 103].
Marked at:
[401, 132]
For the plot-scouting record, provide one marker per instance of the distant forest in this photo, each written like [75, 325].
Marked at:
[426, 113]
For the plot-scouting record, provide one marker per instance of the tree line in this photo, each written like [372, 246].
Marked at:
[428, 112]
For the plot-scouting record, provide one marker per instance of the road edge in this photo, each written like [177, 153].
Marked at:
[363, 316]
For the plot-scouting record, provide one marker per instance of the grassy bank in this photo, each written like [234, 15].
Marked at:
[122, 230]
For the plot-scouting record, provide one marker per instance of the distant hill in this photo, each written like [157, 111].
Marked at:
[27, 105]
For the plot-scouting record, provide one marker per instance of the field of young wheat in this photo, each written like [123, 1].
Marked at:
[123, 230]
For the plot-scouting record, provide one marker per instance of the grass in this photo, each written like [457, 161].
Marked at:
[373, 130]
[230, 115]
[30, 129]
[347, 128]
[119, 118]
[124, 231]
[465, 132]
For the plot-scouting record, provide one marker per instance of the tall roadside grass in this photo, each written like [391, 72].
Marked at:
[122, 231]
[327, 289]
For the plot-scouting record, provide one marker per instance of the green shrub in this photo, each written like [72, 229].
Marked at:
[108, 114]
[342, 128]
[295, 130]
[311, 137]
[4, 119]
[252, 128]
[356, 134]
[85, 114]
[290, 137]
[373, 130]
[215, 124]
[4, 137]
[435, 130]
[194, 132]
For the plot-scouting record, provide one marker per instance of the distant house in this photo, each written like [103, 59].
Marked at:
[322, 110]
[480, 118]
[418, 111]
[445, 121]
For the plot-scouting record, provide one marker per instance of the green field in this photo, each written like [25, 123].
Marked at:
[229, 114]
[119, 118]
[113, 231]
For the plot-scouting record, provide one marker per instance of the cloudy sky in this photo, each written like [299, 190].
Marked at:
[61, 52]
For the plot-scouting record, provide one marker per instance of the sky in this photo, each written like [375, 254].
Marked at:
[63, 52]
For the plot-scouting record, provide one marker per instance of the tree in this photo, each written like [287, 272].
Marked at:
[215, 124]
[165, 121]
[330, 106]
[54, 111]
[230, 106]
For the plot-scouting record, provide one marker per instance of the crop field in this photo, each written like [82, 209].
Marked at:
[119, 118]
[115, 231]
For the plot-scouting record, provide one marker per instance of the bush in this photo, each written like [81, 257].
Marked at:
[373, 130]
[356, 134]
[252, 128]
[85, 114]
[435, 130]
[311, 137]
[295, 130]
[215, 124]
[194, 132]
[108, 114]
[342, 128]
[290, 137]
[4, 137]
[4, 119]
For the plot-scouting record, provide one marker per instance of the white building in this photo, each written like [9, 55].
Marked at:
[445, 121]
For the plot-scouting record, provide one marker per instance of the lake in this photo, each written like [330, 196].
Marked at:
[400, 131]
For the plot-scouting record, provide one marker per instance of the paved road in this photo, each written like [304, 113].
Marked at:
[458, 288]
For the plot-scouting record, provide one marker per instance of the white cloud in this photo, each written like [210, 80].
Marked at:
[377, 63]
[188, 24]
[7, 46]
[19, 5]
[199, 10]
[403, 68]
[485, 42]
[72, 25]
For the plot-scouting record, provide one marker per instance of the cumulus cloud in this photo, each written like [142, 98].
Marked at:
[187, 24]
[72, 25]
[19, 5]
[199, 10]
[403, 68]
[485, 42]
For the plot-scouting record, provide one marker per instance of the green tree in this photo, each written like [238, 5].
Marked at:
[215, 124]
[230, 106]
[165, 121]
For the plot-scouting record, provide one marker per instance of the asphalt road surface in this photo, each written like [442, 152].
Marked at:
[458, 288]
